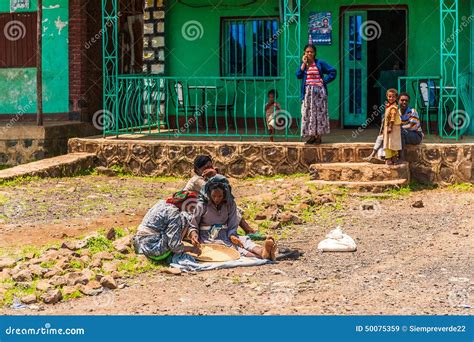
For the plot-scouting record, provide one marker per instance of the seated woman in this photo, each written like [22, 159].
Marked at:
[204, 170]
[164, 227]
[216, 221]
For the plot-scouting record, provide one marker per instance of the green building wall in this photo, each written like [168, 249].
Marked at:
[18, 85]
[201, 57]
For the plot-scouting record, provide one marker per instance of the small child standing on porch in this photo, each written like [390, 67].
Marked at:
[271, 109]
[392, 137]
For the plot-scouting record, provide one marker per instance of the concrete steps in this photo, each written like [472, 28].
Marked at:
[62, 166]
[361, 176]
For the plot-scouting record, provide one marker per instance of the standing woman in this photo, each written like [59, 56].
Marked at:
[315, 74]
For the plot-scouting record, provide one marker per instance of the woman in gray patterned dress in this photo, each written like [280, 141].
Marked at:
[315, 74]
[164, 227]
[215, 220]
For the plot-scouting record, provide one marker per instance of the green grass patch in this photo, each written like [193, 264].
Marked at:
[17, 181]
[292, 176]
[134, 265]
[122, 172]
[76, 294]
[98, 244]
[48, 264]
[461, 187]
[17, 292]
[3, 199]
[5, 166]
[76, 264]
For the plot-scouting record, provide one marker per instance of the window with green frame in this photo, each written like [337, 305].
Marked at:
[249, 47]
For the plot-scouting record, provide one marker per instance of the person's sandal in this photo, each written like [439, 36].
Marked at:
[368, 159]
[376, 160]
[317, 140]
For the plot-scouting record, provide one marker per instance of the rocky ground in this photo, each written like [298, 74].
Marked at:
[65, 250]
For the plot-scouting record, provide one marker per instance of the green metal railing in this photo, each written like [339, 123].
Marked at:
[449, 69]
[424, 94]
[438, 98]
[200, 106]
[204, 106]
[110, 18]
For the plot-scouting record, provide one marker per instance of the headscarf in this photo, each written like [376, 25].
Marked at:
[180, 197]
[200, 161]
[223, 183]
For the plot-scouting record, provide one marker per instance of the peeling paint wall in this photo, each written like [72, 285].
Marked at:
[18, 86]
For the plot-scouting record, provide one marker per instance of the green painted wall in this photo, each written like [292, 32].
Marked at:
[201, 57]
[18, 86]
[471, 131]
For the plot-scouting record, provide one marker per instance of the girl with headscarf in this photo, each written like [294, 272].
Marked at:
[216, 220]
[164, 227]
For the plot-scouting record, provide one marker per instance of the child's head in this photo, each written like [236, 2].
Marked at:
[202, 163]
[392, 95]
[272, 95]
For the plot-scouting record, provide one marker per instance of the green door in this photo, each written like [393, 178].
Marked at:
[471, 130]
[355, 69]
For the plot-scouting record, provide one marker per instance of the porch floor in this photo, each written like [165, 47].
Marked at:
[336, 136]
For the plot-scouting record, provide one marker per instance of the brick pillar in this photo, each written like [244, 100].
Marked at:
[154, 37]
[77, 62]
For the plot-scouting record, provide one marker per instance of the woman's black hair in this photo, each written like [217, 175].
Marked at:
[311, 46]
[274, 92]
[200, 161]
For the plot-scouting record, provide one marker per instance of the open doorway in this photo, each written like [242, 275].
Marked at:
[374, 56]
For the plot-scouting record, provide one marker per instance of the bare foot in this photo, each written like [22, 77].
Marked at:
[269, 249]
[369, 158]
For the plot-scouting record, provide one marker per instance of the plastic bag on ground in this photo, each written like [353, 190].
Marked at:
[337, 241]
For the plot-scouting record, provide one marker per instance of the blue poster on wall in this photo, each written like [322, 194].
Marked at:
[320, 28]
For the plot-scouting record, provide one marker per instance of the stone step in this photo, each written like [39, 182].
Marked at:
[358, 172]
[62, 166]
[377, 186]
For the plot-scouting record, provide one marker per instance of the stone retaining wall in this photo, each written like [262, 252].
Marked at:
[23, 143]
[431, 163]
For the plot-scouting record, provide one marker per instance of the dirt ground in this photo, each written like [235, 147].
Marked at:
[409, 260]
